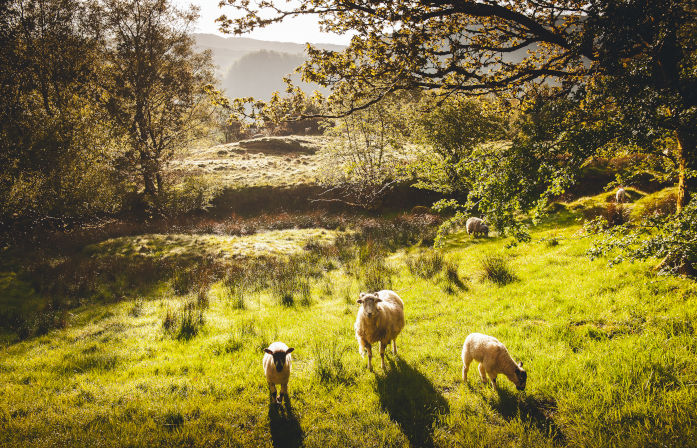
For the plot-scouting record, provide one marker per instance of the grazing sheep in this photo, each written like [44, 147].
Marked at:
[276, 362]
[380, 319]
[493, 358]
[621, 195]
[476, 226]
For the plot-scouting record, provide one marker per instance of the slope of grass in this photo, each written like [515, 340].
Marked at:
[610, 355]
[274, 242]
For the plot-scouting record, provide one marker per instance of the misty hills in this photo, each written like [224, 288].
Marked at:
[251, 67]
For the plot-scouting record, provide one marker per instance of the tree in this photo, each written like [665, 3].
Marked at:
[640, 54]
[154, 83]
[368, 151]
[56, 151]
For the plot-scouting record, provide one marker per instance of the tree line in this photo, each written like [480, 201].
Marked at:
[95, 96]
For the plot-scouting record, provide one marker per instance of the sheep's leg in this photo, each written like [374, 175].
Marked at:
[382, 355]
[272, 392]
[394, 346]
[482, 372]
[465, 369]
[466, 361]
[284, 393]
[369, 349]
[492, 377]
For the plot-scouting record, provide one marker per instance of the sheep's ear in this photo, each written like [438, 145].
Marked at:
[520, 364]
[289, 350]
[266, 350]
[378, 300]
[359, 301]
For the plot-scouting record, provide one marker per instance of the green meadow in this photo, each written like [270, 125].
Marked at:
[147, 359]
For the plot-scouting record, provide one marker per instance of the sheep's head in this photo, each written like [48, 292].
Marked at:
[370, 303]
[279, 357]
[485, 229]
[521, 377]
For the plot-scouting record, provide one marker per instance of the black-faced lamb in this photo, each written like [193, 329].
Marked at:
[476, 226]
[276, 362]
[493, 358]
[380, 319]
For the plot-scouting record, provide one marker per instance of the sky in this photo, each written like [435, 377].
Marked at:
[298, 29]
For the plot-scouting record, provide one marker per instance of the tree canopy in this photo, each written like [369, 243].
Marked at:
[636, 59]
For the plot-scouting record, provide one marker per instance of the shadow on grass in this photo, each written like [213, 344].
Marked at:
[535, 411]
[411, 400]
[284, 426]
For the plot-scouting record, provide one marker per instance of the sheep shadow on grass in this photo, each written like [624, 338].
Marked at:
[284, 426]
[411, 400]
[537, 411]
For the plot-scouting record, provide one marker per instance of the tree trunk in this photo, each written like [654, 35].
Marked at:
[687, 159]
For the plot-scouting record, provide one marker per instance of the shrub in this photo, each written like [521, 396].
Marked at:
[673, 240]
[495, 268]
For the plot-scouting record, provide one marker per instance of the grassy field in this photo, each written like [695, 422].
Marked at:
[610, 352]
[272, 161]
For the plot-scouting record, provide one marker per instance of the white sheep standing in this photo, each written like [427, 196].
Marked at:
[476, 226]
[493, 358]
[276, 362]
[621, 195]
[380, 319]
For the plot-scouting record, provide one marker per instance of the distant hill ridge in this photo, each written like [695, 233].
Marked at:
[253, 67]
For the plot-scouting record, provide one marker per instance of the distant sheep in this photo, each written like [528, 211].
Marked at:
[380, 319]
[476, 226]
[493, 358]
[621, 196]
[276, 362]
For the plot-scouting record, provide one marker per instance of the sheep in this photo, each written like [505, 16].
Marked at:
[493, 358]
[476, 226]
[380, 319]
[276, 362]
[621, 195]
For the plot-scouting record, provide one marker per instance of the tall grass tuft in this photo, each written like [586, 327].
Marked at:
[425, 263]
[237, 285]
[496, 269]
[616, 214]
[452, 280]
[329, 366]
[184, 323]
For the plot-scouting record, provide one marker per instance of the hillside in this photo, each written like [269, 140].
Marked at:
[157, 359]
[251, 67]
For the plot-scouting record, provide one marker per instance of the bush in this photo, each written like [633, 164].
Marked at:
[495, 268]
[194, 194]
[673, 240]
